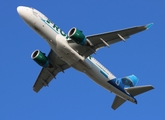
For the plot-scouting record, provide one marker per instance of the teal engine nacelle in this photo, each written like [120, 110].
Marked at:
[40, 58]
[129, 81]
[77, 36]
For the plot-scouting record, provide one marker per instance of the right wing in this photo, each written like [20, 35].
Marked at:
[98, 41]
[47, 74]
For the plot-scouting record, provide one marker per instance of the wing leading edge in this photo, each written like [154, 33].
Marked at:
[47, 74]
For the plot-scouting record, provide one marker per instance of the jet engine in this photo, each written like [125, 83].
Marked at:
[77, 36]
[40, 58]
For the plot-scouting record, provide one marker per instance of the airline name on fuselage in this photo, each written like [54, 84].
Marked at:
[55, 27]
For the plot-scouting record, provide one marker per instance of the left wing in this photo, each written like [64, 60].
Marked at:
[47, 74]
[105, 39]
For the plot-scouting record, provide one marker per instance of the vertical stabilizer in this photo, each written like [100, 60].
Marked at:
[129, 81]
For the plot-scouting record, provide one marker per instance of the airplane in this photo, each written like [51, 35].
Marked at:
[75, 50]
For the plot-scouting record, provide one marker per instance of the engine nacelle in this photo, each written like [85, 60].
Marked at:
[40, 58]
[77, 36]
[130, 81]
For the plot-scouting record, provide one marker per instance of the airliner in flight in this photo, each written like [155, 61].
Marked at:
[74, 50]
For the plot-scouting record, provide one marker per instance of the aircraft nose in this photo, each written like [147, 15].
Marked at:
[26, 14]
[20, 10]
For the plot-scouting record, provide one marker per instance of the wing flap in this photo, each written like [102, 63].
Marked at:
[118, 101]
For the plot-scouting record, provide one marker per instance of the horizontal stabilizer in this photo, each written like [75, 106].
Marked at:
[117, 102]
[139, 89]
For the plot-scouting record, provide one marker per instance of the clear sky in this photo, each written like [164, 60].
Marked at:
[74, 96]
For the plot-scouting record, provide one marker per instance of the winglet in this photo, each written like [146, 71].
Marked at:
[149, 25]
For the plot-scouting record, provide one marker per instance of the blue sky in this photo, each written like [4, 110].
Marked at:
[74, 96]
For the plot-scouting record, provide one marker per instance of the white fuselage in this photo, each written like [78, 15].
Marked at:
[57, 40]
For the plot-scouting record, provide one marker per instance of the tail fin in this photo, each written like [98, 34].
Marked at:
[139, 89]
[129, 81]
[117, 102]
